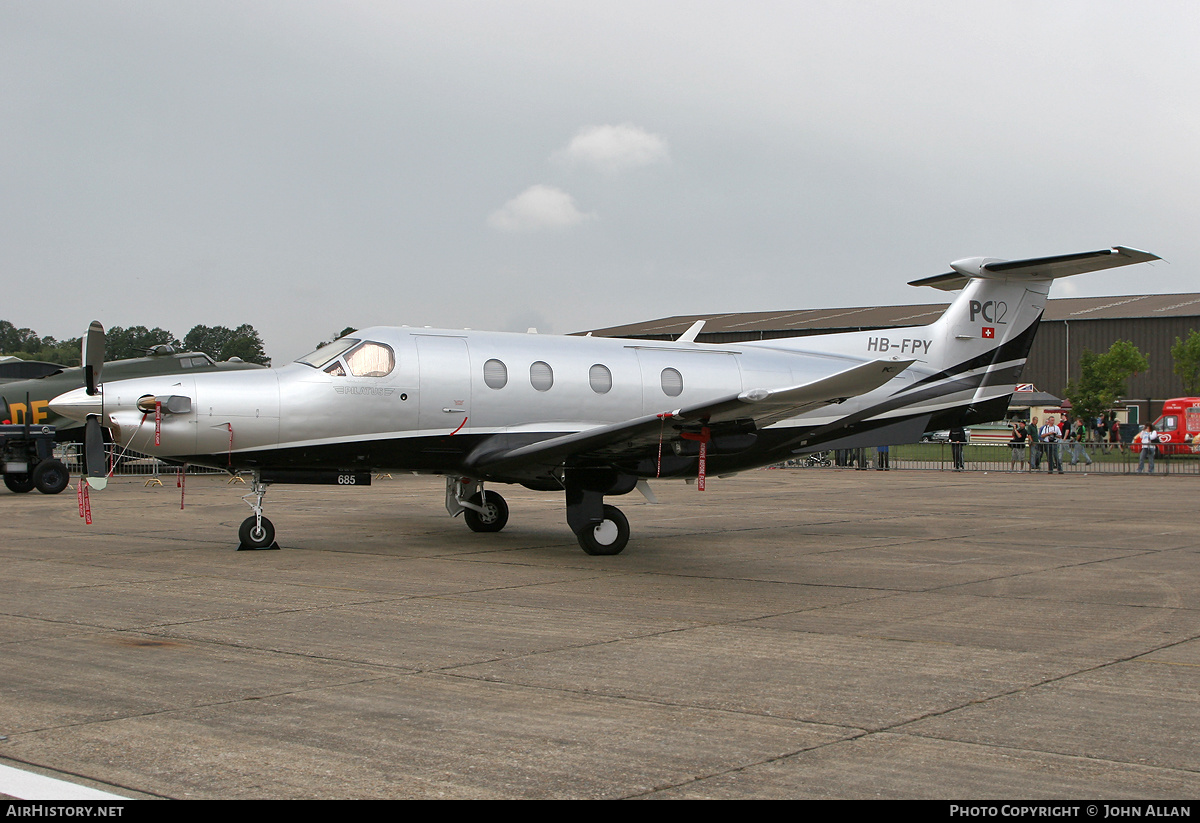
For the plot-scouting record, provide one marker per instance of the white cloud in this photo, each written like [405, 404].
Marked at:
[614, 148]
[538, 207]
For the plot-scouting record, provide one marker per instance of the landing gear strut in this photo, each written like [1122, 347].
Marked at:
[256, 532]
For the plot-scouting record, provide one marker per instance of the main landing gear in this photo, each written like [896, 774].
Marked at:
[256, 532]
[600, 529]
[609, 536]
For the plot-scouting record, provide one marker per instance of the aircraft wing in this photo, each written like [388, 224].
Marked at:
[762, 406]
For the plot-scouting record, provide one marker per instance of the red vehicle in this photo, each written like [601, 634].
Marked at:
[1179, 426]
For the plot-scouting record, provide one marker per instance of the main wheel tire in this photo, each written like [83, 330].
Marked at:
[609, 537]
[19, 483]
[493, 518]
[253, 537]
[51, 476]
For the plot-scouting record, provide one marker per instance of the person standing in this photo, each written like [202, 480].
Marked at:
[1114, 435]
[1148, 440]
[1035, 449]
[958, 438]
[1017, 444]
[1079, 446]
[1049, 437]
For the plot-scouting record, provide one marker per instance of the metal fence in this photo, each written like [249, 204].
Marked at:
[127, 463]
[989, 457]
[999, 457]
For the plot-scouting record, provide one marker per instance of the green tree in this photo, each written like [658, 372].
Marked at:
[223, 343]
[346, 331]
[1186, 354]
[122, 344]
[25, 344]
[1102, 378]
[16, 341]
[63, 352]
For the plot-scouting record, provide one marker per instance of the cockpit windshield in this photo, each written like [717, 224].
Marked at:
[348, 356]
[327, 352]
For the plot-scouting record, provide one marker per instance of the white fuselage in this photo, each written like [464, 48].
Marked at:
[464, 384]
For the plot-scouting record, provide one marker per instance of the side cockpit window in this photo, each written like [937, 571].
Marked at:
[371, 360]
[356, 358]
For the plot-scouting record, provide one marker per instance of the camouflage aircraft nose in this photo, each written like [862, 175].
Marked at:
[77, 404]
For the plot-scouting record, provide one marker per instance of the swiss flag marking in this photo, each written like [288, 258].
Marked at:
[989, 332]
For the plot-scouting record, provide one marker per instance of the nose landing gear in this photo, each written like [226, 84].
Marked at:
[483, 511]
[256, 533]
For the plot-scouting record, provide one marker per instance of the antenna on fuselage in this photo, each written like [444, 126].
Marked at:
[689, 336]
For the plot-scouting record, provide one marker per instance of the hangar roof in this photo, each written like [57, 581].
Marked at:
[873, 317]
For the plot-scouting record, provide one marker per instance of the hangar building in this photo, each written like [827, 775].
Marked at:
[1071, 324]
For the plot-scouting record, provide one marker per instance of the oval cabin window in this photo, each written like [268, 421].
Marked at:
[495, 374]
[601, 379]
[672, 383]
[541, 376]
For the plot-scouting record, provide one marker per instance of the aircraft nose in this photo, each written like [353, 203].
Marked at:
[77, 404]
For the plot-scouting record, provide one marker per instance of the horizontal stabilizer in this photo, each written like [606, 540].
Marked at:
[1037, 268]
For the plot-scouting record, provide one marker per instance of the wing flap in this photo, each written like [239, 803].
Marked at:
[762, 406]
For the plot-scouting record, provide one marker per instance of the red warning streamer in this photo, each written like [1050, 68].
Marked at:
[703, 436]
[157, 422]
[664, 417]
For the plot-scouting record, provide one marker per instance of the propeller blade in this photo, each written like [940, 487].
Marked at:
[93, 355]
[93, 453]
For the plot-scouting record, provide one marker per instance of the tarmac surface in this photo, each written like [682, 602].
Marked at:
[806, 633]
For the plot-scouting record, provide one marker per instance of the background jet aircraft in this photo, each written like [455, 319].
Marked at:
[33, 396]
[589, 417]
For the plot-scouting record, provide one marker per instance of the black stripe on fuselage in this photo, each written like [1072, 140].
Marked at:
[1015, 349]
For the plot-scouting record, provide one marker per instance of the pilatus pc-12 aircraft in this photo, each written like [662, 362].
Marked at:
[584, 416]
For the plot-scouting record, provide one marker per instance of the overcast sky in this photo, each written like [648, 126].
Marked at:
[304, 166]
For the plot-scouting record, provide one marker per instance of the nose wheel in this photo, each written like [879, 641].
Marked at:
[256, 532]
[487, 513]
